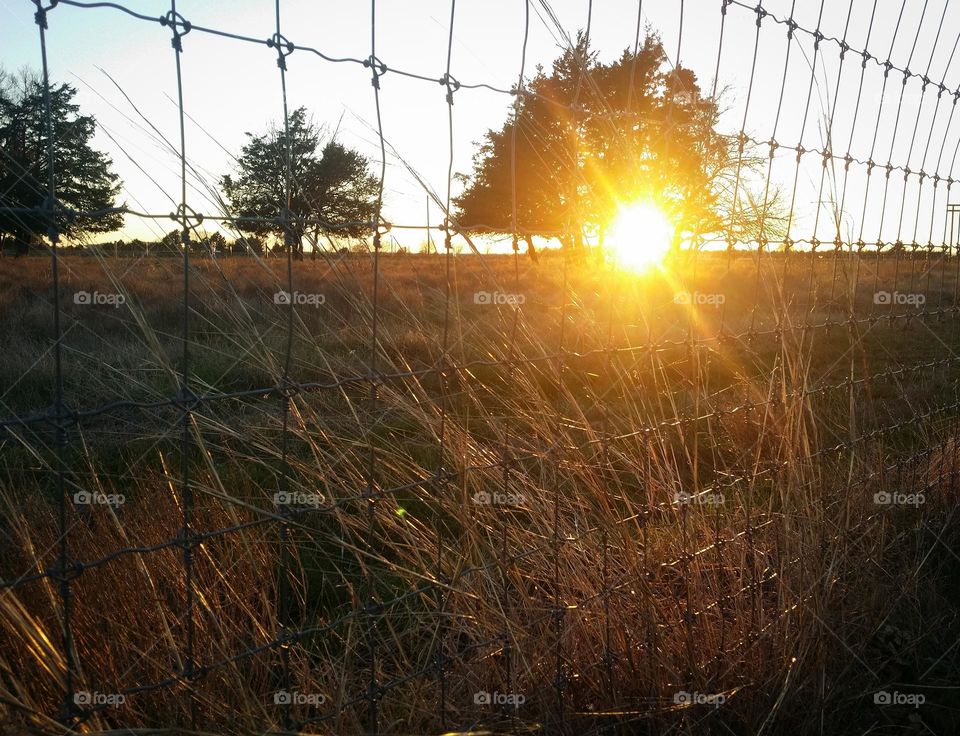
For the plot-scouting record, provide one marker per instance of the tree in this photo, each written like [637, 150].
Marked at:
[330, 183]
[84, 181]
[170, 244]
[589, 137]
[217, 244]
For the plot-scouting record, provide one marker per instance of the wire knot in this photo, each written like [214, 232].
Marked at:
[187, 540]
[51, 209]
[67, 573]
[375, 691]
[284, 48]
[40, 17]
[186, 400]
[452, 86]
[286, 220]
[184, 215]
[63, 416]
[175, 20]
[288, 389]
[448, 233]
[378, 67]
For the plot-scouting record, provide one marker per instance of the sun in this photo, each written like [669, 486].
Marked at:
[640, 236]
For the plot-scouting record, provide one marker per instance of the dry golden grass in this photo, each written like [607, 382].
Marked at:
[797, 597]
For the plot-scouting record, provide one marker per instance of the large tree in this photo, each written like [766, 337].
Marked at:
[84, 181]
[589, 137]
[330, 184]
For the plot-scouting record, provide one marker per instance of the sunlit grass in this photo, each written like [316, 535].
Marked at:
[634, 559]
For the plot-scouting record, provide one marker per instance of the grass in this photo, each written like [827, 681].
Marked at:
[795, 596]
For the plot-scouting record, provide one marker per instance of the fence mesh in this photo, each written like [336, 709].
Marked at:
[534, 511]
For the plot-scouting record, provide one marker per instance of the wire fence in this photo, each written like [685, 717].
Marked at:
[811, 361]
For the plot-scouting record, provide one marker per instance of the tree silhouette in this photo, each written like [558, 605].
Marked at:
[84, 182]
[217, 243]
[588, 137]
[330, 184]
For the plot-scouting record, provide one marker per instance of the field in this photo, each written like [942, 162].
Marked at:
[515, 495]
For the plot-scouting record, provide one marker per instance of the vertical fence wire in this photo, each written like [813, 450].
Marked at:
[373, 609]
[285, 217]
[442, 486]
[515, 312]
[176, 21]
[63, 548]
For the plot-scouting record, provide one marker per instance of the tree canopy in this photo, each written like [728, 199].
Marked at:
[588, 137]
[330, 183]
[84, 180]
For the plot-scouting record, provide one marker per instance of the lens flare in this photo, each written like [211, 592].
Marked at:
[640, 236]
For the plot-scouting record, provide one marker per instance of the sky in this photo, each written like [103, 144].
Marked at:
[124, 71]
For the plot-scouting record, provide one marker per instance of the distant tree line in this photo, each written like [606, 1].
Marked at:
[586, 138]
[291, 184]
[215, 245]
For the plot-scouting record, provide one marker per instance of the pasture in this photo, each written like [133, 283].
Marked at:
[515, 495]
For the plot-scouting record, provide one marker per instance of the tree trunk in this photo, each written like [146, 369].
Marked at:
[528, 239]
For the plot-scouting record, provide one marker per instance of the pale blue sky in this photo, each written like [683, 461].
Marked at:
[231, 87]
